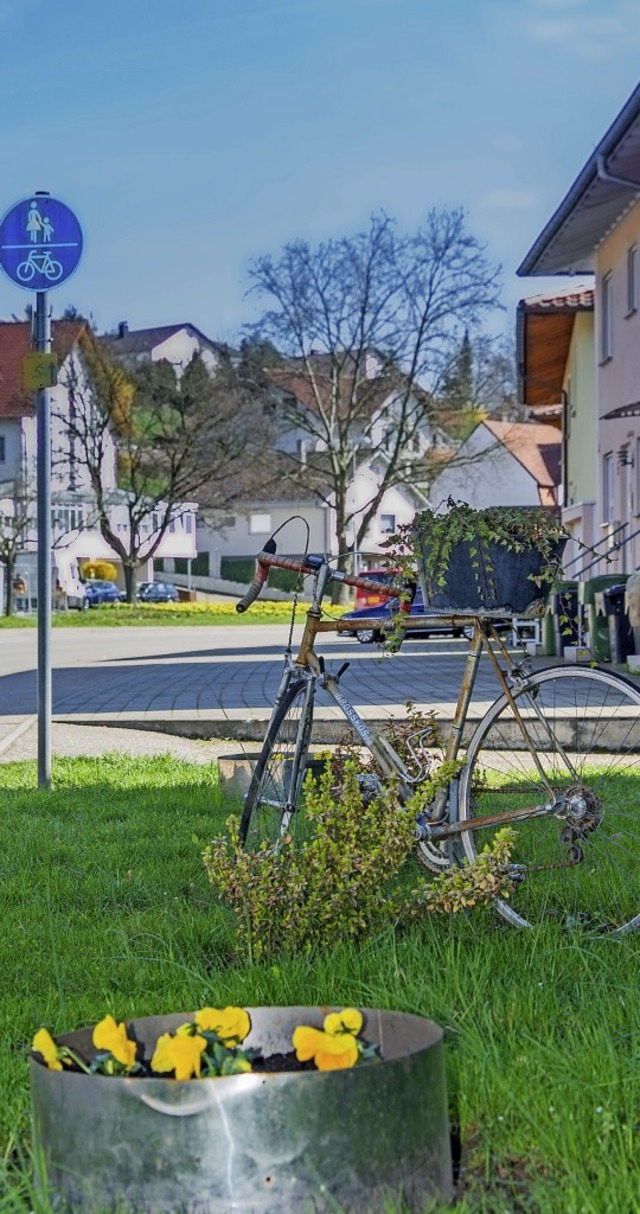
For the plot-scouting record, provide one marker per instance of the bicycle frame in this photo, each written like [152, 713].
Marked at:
[444, 820]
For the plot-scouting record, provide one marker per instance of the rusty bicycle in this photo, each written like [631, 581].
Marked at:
[557, 756]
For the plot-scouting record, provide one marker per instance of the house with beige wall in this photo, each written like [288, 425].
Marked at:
[596, 230]
[557, 382]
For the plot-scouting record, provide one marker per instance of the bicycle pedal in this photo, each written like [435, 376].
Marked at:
[422, 830]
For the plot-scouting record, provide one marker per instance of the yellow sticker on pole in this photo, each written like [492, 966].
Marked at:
[39, 371]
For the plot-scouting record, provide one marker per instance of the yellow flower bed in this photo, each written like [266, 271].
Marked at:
[209, 1046]
[214, 609]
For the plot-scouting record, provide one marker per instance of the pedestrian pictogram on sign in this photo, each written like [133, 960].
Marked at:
[40, 243]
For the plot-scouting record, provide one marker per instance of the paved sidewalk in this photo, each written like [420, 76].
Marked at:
[191, 689]
[94, 740]
[218, 682]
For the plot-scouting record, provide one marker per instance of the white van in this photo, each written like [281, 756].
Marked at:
[67, 590]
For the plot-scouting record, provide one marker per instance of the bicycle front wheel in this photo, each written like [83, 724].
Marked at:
[578, 864]
[272, 804]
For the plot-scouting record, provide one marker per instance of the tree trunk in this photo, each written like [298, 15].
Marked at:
[339, 592]
[130, 581]
[9, 565]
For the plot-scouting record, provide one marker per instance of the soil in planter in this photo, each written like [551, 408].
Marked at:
[282, 1062]
[273, 1064]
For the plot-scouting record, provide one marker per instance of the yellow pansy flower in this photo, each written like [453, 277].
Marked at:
[230, 1024]
[108, 1035]
[44, 1044]
[180, 1054]
[349, 1020]
[329, 1052]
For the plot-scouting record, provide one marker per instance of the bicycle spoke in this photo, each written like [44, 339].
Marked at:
[272, 806]
[580, 865]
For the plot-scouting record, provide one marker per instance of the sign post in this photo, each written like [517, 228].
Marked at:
[40, 247]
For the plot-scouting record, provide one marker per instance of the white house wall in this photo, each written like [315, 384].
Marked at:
[493, 477]
[396, 504]
[579, 513]
[241, 538]
[11, 466]
[180, 348]
[619, 384]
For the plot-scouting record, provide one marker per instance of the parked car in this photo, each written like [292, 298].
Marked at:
[157, 592]
[369, 598]
[433, 622]
[99, 592]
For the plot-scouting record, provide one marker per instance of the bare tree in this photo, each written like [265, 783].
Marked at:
[369, 324]
[177, 435]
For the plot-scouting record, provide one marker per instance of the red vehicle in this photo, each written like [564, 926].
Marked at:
[368, 598]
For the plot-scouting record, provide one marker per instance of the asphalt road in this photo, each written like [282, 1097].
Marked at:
[226, 669]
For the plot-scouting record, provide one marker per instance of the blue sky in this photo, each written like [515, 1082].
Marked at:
[190, 138]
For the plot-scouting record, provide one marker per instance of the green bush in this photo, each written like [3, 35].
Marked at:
[241, 569]
[343, 882]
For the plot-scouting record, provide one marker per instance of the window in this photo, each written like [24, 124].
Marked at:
[606, 319]
[65, 518]
[3, 453]
[632, 275]
[608, 508]
[260, 524]
[387, 524]
[187, 523]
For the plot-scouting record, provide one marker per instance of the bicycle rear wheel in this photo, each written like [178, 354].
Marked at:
[271, 807]
[579, 865]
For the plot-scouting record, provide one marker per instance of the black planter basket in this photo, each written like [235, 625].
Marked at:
[492, 578]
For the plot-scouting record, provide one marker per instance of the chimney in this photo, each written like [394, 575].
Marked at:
[123, 328]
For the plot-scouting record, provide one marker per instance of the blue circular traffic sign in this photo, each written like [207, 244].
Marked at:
[40, 243]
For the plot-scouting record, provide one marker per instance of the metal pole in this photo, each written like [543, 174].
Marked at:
[43, 448]
[356, 554]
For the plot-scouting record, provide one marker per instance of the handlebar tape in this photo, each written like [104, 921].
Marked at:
[259, 579]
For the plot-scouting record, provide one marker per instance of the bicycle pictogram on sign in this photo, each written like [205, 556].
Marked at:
[39, 263]
[40, 242]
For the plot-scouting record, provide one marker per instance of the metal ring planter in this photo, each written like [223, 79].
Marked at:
[274, 1143]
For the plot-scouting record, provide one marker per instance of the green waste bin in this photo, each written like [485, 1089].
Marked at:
[548, 634]
[560, 621]
[597, 623]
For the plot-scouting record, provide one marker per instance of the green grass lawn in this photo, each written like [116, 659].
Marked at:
[106, 908]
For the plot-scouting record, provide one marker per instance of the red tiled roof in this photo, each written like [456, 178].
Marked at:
[15, 343]
[572, 299]
[537, 447]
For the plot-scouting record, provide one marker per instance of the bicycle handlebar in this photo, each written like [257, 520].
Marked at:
[267, 559]
[259, 578]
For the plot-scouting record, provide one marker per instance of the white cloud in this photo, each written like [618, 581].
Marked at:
[509, 199]
[559, 4]
[586, 35]
[507, 143]
[577, 29]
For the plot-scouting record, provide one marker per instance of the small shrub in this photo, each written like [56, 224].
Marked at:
[342, 882]
[104, 570]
